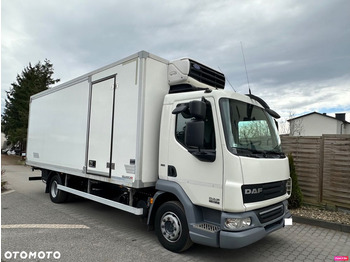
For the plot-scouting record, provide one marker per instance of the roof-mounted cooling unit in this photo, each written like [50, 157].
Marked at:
[187, 71]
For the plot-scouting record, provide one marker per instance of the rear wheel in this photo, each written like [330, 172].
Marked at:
[171, 227]
[56, 195]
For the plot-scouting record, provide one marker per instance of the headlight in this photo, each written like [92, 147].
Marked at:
[237, 223]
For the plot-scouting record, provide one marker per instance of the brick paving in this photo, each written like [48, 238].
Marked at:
[114, 235]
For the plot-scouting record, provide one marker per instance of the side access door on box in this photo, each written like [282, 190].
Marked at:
[114, 123]
[101, 126]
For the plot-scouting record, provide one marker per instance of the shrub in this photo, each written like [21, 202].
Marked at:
[3, 182]
[296, 198]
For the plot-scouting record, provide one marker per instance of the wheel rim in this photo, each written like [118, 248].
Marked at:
[54, 189]
[170, 226]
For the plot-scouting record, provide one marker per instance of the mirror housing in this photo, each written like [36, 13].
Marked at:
[194, 140]
[194, 135]
[198, 109]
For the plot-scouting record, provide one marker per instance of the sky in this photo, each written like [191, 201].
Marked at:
[297, 53]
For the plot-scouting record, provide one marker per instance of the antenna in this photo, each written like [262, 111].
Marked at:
[245, 65]
[227, 80]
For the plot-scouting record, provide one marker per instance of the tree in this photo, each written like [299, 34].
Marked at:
[296, 198]
[292, 126]
[34, 79]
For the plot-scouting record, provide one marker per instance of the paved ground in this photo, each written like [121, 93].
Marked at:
[11, 160]
[107, 234]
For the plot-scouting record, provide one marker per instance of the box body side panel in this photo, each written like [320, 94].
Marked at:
[125, 123]
[64, 123]
[155, 88]
[57, 127]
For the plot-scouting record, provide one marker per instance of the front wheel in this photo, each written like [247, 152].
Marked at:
[171, 227]
[56, 195]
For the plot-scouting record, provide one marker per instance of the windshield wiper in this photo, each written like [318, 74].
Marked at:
[245, 152]
[276, 150]
[260, 153]
[273, 152]
[249, 152]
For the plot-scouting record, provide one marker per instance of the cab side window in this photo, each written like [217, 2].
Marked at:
[209, 132]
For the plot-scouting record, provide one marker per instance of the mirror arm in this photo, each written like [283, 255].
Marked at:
[205, 155]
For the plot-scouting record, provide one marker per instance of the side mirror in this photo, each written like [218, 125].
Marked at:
[195, 108]
[194, 140]
[195, 129]
[198, 109]
[194, 135]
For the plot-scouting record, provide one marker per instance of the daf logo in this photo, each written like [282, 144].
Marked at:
[253, 191]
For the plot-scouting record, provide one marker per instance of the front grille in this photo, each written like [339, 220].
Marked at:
[261, 192]
[270, 213]
[207, 227]
[206, 75]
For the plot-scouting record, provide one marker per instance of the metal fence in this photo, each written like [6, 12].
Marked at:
[323, 167]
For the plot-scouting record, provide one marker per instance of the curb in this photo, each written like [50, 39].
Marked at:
[322, 223]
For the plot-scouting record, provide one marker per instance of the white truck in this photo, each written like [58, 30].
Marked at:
[164, 140]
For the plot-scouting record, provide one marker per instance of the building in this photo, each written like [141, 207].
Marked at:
[317, 124]
[3, 141]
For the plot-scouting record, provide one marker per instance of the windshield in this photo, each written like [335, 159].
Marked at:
[249, 130]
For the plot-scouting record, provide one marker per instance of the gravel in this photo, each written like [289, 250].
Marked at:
[341, 217]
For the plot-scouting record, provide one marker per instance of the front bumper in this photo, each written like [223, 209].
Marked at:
[259, 228]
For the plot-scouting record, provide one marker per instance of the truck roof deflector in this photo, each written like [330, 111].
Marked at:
[265, 105]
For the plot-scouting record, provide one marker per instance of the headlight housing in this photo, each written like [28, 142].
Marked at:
[237, 223]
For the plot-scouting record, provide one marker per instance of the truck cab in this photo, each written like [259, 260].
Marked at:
[220, 155]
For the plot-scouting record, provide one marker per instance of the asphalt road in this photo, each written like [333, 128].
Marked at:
[82, 230]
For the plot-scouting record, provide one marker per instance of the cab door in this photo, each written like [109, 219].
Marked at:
[201, 178]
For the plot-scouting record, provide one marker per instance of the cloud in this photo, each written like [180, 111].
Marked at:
[304, 97]
[297, 53]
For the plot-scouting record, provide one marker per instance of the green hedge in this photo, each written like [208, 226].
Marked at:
[296, 198]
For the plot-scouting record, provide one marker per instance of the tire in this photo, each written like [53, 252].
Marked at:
[171, 227]
[56, 195]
